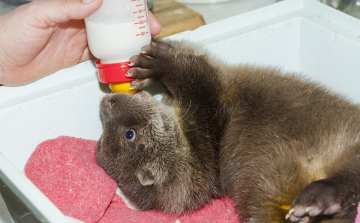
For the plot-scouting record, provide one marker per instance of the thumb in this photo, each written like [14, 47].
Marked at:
[52, 12]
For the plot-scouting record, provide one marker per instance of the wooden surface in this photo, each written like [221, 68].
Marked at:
[175, 17]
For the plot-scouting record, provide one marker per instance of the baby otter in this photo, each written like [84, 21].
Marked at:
[285, 149]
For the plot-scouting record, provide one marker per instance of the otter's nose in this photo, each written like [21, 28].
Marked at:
[112, 102]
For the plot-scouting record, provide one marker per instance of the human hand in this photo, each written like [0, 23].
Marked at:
[42, 37]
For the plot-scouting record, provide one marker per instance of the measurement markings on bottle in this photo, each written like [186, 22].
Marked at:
[143, 22]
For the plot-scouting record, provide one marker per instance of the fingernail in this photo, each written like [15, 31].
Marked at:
[159, 24]
[88, 1]
[129, 74]
[131, 64]
[133, 88]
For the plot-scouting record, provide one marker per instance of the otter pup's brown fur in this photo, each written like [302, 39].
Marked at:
[266, 138]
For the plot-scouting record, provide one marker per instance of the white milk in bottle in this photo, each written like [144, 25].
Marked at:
[113, 43]
[115, 32]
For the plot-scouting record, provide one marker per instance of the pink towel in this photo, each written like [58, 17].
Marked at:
[219, 211]
[118, 212]
[65, 170]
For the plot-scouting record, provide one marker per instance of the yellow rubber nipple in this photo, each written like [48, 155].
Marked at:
[122, 87]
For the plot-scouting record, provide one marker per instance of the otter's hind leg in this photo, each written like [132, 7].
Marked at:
[265, 188]
[334, 199]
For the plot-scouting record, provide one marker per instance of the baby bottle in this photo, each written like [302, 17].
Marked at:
[115, 32]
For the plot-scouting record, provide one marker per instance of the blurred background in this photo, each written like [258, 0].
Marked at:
[181, 15]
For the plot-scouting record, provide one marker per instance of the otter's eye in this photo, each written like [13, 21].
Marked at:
[129, 135]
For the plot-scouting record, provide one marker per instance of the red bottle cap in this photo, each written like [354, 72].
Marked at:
[114, 72]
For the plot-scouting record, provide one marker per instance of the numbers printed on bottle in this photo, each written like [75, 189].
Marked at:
[142, 13]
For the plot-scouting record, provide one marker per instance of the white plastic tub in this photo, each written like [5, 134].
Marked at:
[298, 35]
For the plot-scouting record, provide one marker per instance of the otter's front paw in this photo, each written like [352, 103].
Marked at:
[318, 198]
[150, 65]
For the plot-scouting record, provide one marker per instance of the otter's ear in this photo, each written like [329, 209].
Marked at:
[146, 177]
